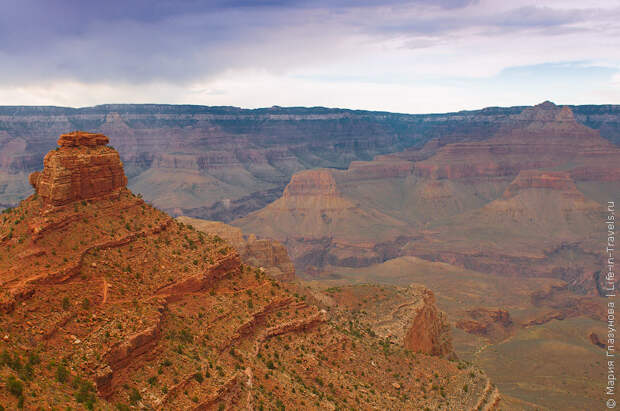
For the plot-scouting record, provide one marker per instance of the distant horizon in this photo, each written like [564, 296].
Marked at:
[300, 107]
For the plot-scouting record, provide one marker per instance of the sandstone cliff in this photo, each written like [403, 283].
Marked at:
[429, 330]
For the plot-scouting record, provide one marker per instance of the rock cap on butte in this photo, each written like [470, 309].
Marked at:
[82, 138]
[82, 168]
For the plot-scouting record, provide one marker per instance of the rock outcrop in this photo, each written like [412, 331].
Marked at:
[82, 168]
[486, 322]
[550, 180]
[429, 331]
[594, 339]
[407, 316]
[318, 224]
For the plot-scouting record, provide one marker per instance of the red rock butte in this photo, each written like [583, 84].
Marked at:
[82, 168]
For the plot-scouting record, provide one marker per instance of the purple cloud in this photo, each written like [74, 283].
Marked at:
[144, 42]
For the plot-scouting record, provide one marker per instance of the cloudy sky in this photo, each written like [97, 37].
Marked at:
[408, 56]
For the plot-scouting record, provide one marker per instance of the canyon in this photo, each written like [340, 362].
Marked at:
[113, 304]
[506, 230]
[536, 186]
[358, 215]
[221, 163]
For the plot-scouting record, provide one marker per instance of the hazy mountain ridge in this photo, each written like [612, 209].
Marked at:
[237, 160]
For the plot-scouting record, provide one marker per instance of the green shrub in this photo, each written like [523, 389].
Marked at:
[61, 373]
[15, 386]
[186, 336]
[27, 372]
[134, 396]
[33, 358]
[13, 362]
[85, 393]
[5, 358]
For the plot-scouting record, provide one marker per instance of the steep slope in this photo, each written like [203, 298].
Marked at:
[312, 207]
[265, 253]
[109, 303]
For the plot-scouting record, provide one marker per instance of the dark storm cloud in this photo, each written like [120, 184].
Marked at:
[177, 41]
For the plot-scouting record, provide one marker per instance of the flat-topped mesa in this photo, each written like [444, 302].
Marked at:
[82, 168]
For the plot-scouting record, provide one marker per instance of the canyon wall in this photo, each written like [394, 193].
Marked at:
[405, 316]
[516, 203]
[224, 162]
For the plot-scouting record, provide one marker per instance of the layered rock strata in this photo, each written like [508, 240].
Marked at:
[82, 168]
